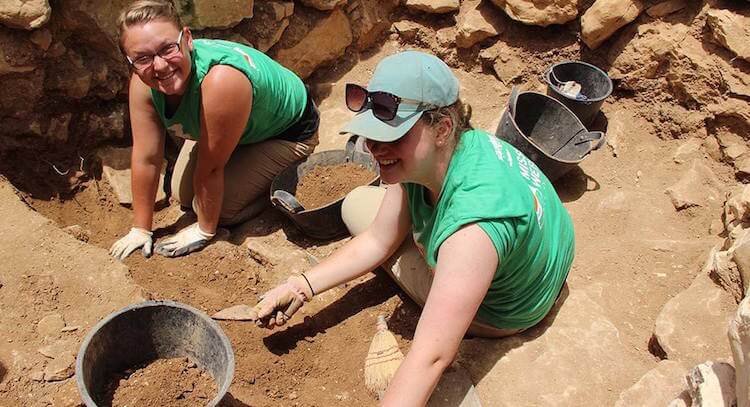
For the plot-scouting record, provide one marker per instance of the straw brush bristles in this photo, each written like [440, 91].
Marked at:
[383, 359]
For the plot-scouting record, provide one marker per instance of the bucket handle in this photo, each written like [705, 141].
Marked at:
[355, 144]
[286, 201]
[512, 101]
[596, 138]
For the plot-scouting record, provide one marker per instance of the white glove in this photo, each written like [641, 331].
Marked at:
[279, 304]
[187, 240]
[136, 238]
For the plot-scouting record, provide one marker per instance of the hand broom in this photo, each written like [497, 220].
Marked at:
[383, 359]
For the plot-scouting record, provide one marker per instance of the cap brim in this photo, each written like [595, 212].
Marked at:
[365, 124]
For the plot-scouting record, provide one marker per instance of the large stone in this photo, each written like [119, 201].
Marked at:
[697, 187]
[507, 62]
[689, 150]
[433, 6]
[95, 22]
[26, 14]
[694, 77]
[542, 366]
[69, 76]
[270, 20]
[692, 326]
[17, 53]
[737, 208]
[116, 170]
[666, 7]
[730, 30]
[454, 389]
[739, 340]
[369, 20]
[323, 5]
[540, 12]
[50, 325]
[605, 17]
[656, 388]
[215, 13]
[60, 368]
[476, 22]
[645, 54]
[712, 384]
[324, 43]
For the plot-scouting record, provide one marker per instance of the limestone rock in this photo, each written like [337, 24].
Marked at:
[688, 151]
[724, 271]
[697, 187]
[17, 53]
[694, 78]
[737, 207]
[454, 389]
[291, 260]
[105, 124]
[407, 29]
[475, 23]
[323, 5]
[433, 6]
[730, 30]
[605, 17]
[540, 12]
[446, 38]
[369, 20]
[692, 325]
[665, 8]
[581, 331]
[70, 76]
[270, 20]
[60, 368]
[739, 341]
[26, 14]
[58, 348]
[656, 388]
[324, 43]
[216, 13]
[505, 60]
[50, 325]
[116, 170]
[731, 109]
[646, 55]
[712, 384]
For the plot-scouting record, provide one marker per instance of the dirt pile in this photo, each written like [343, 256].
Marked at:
[325, 184]
[163, 382]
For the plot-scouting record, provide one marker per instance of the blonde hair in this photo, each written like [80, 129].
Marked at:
[144, 11]
[460, 115]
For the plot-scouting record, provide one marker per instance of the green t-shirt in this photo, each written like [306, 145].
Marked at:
[279, 96]
[492, 184]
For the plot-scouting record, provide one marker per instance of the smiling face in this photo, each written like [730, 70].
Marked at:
[411, 158]
[167, 75]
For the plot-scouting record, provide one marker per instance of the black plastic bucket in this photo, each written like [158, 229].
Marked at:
[147, 331]
[595, 86]
[547, 132]
[324, 222]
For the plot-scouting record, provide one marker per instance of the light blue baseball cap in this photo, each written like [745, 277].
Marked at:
[409, 75]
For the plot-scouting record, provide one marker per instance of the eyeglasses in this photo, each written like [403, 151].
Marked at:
[384, 105]
[168, 51]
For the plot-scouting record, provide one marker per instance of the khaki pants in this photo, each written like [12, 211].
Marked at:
[406, 266]
[247, 175]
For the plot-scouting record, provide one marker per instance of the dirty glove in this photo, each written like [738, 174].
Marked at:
[136, 238]
[188, 240]
[278, 305]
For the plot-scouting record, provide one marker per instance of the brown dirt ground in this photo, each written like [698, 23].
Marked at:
[617, 202]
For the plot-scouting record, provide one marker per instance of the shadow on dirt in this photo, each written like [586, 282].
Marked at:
[3, 372]
[230, 401]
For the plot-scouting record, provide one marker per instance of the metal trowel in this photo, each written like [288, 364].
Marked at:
[240, 312]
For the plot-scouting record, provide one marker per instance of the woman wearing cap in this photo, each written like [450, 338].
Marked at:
[491, 243]
[245, 118]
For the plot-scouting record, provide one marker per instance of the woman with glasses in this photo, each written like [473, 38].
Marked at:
[245, 118]
[468, 226]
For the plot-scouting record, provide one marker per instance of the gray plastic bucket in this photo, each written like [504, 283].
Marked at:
[324, 222]
[147, 331]
[547, 132]
[595, 85]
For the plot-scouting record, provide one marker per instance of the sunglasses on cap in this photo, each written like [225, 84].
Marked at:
[384, 105]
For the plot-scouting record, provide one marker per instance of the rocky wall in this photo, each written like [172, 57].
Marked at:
[65, 81]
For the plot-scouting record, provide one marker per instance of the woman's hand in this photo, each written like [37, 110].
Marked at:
[136, 239]
[279, 304]
[186, 241]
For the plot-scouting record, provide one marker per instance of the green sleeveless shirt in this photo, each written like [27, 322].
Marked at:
[279, 96]
[492, 184]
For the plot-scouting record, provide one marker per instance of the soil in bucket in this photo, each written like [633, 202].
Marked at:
[324, 184]
[163, 382]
